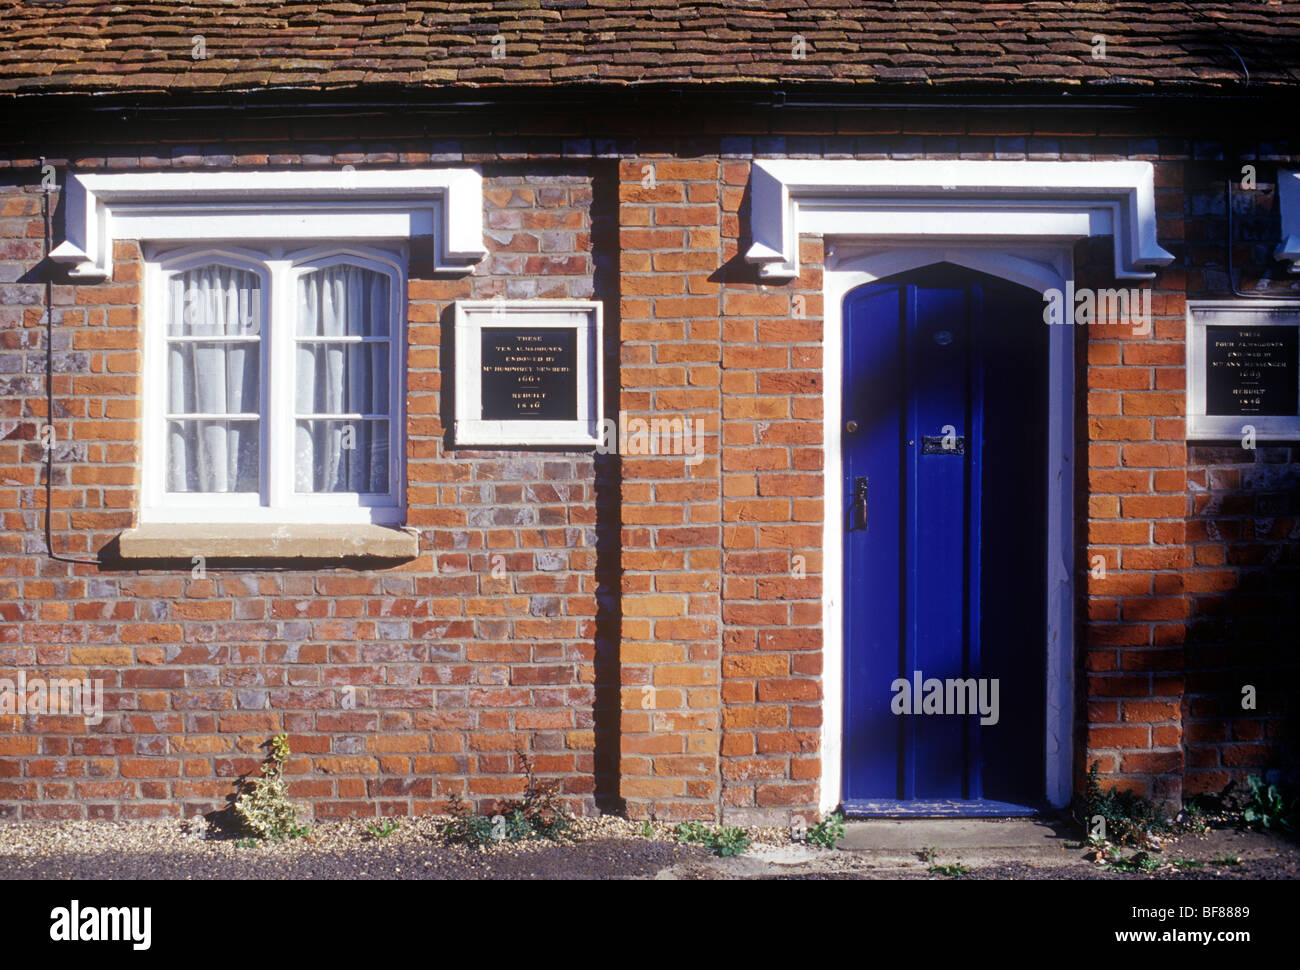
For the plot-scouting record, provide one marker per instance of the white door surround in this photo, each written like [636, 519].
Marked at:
[848, 266]
[953, 200]
[1015, 220]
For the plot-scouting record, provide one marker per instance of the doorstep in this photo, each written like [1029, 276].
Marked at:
[976, 840]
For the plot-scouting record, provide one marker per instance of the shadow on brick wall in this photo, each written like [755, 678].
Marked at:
[1241, 707]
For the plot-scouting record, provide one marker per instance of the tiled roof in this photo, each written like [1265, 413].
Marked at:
[71, 46]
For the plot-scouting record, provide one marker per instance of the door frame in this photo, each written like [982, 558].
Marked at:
[852, 262]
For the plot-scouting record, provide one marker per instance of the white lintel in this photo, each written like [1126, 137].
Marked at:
[954, 200]
[446, 204]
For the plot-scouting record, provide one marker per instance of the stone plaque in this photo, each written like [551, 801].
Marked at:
[529, 374]
[1243, 370]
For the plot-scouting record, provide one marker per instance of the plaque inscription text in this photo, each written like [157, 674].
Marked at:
[529, 374]
[1252, 370]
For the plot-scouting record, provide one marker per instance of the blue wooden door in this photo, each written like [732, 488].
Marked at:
[944, 447]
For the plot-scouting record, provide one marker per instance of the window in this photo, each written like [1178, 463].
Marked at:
[273, 386]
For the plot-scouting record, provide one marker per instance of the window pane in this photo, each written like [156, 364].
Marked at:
[219, 375]
[212, 456]
[215, 301]
[341, 456]
[342, 378]
[211, 377]
[343, 301]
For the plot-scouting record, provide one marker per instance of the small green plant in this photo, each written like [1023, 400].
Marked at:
[383, 829]
[725, 841]
[1193, 817]
[928, 853]
[540, 814]
[828, 832]
[647, 830]
[246, 843]
[468, 828]
[1228, 860]
[692, 832]
[1127, 819]
[1186, 863]
[264, 807]
[1138, 862]
[954, 869]
[730, 841]
[1268, 809]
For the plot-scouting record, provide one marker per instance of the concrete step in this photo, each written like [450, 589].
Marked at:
[971, 840]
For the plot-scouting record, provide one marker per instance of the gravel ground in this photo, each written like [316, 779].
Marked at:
[1248, 869]
[604, 848]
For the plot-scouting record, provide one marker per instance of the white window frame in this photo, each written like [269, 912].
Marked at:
[280, 267]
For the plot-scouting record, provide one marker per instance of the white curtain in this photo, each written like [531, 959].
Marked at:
[342, 400]
[213, 375]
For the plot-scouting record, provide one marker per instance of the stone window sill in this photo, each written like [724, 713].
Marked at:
[184, 540]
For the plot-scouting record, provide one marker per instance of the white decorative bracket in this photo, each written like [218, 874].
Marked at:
[444, 204]
[1288, 190]
[957, 200]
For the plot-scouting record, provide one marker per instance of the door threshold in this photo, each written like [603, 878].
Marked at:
[936, 808]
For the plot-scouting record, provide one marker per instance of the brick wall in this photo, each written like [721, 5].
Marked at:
[655, 642]
[453, 666]
[1243, 533]
[1131, 503]
[669, 238]
[1243, 522]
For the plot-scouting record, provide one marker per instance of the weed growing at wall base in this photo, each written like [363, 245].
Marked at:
[540, 814]
[828, 832]
[724, 841]
[1270, 808]
[264, 806]
[1110, 815]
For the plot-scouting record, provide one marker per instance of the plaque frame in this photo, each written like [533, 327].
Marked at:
[583, 316]
[1253, 313]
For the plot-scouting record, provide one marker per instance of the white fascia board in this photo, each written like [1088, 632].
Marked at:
[1121, 196]
[399, 203]
[1288, 189]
